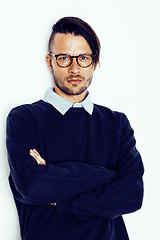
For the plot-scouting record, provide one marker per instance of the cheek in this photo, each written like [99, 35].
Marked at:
[88, 73]
[60, 72]
[57, 70]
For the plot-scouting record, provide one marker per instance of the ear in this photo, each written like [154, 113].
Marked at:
[49, 62]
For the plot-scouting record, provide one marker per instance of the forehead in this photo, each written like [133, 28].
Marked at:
[70, 44]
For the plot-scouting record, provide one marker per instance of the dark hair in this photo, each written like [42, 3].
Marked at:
[77, 27]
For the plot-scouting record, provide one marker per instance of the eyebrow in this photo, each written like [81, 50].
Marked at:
[72, 55]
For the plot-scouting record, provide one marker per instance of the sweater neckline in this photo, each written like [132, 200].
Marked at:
[70, 110]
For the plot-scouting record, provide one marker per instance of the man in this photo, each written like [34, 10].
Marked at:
[74, 166]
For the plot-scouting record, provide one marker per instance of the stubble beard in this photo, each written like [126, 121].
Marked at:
[71, 91]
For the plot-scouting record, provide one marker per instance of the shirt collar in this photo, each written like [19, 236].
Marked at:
[63, 105]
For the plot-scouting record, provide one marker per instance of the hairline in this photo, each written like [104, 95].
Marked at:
[52, 37]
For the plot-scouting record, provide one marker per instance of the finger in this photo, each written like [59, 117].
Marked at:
[35, 154]
[53, 204]
[41, 159]
[36, 151]
[37, 157]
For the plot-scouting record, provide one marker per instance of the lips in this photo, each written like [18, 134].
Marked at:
[74, 81]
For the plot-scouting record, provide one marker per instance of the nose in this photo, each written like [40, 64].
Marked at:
[74, 67]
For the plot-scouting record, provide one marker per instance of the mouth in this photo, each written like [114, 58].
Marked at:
[74, 81]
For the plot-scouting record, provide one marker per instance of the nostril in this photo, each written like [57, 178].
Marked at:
[74, 70]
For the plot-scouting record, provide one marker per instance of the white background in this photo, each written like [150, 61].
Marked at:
[127, 81]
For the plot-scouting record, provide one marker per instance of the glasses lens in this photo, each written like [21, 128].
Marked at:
[64, 60]
[85, 60]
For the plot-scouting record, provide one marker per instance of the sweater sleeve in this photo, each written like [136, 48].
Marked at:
[42, 184]
[125, 193]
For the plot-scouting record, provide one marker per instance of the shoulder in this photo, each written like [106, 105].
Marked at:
[112, 117]
[27, 110]
[109, 113]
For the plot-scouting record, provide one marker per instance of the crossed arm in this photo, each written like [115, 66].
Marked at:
[77, 187]
[85, 203]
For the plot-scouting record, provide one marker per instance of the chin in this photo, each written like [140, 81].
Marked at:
[72, 91]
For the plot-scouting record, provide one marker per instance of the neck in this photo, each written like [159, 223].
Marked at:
[72, 98]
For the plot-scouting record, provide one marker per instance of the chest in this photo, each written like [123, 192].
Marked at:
[79, 139]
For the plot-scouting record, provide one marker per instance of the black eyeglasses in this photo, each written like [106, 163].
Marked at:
[65, 60]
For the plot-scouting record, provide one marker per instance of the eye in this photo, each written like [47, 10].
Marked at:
[83, 57]
[63, 58]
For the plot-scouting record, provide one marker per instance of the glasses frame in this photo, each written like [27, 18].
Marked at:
[63, 54]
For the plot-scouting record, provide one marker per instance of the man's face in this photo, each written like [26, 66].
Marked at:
[72, 80]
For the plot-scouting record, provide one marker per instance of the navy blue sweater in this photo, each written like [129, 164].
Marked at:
[93, 171]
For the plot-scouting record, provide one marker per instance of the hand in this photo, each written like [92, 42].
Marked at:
[37, 156]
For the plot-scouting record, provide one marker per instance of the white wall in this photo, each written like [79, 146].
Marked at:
[127, 81]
